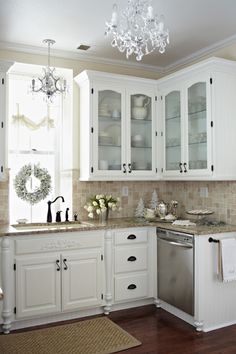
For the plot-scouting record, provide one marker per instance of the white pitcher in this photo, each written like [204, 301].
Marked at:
[139, 101]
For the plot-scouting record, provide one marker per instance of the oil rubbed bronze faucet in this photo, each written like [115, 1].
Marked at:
[49, 214]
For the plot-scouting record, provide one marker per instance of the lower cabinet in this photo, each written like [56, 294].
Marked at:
[134, 264]
[58, 282]
[38, 286]
[61, 274]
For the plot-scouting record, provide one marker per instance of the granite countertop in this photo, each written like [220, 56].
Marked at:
[44, 228]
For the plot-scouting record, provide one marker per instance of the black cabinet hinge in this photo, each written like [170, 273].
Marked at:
[91, 169]
[212, 123]
[92, 130]
[1, 169]
[161, 98]
[211, 80]
[92, 91]
[14, 266]
[102, 296]
[2, 125]
[212, 168]
[156, 170]
[3, 81]
[155, 98]
[156, 133]
[162, 170]
[101, 257]
[14, 309]
[161, 133]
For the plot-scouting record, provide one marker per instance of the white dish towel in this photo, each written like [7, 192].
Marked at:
[227, 259]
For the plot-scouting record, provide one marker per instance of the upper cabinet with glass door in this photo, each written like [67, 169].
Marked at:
[141, 138]
[187, 129]
[108, 141]
[118, 127]
[197, 127]
[173, 136]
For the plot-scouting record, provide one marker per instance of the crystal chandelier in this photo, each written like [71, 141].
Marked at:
[138, 31]
[49, 83]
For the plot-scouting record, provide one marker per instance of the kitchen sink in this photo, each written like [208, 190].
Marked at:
[52, 226]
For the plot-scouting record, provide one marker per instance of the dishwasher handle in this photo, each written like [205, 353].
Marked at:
[183, 245]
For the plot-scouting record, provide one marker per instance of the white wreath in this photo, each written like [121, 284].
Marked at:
[40, 192]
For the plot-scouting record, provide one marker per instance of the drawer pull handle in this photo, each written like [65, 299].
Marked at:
[58, 265]
[131, 237]
[131, 259]
[65, 265]
[132, 287]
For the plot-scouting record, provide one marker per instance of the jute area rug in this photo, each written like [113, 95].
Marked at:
[96, 336]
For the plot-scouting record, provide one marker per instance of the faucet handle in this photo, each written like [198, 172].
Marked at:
[67, 214]
[75, 216]
[58, 216]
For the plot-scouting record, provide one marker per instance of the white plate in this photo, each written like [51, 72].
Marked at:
[200, 212]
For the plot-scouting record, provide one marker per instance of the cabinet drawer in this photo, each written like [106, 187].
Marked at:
[130, 237]
[131, 287]
[128, 259]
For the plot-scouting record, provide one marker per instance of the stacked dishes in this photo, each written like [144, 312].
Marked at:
[137, 141]
[105, 139]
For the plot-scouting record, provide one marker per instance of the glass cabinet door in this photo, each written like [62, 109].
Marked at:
[197, 127]
[172, 131]
[109, 130]
[141, 133]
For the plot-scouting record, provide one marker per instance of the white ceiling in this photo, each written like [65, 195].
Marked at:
[196, 27]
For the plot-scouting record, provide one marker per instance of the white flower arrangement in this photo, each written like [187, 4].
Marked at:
[101, 203]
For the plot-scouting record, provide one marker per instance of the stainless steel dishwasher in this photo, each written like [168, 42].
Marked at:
[175, 269]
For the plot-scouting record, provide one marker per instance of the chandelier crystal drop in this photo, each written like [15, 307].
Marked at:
[49, 83]
[137, 31]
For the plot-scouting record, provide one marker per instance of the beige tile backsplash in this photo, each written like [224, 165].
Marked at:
[221, 196]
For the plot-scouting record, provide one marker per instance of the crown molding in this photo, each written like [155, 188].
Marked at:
[200, 53]
[77, 56]
[121, 63]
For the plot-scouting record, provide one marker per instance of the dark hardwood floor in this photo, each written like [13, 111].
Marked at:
[163, 333]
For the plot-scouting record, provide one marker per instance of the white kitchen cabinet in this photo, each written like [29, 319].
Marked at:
[187, 129]
[38, 285]
[52, 275]
[134, 264]
[60, 282]
[198, 117]
[4, 67]
[118, 127]
[81, 280]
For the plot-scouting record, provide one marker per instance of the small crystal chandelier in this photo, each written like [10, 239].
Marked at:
[49, 83]
[139, 32]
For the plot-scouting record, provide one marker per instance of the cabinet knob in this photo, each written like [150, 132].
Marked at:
[124, 167]
[58, 265]
[185, 167]
[131, 287]
[131, 259]
[180, 167]
[130, 167]
[131, 237]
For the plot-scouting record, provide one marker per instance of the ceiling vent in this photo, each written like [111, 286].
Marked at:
[83, 47]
